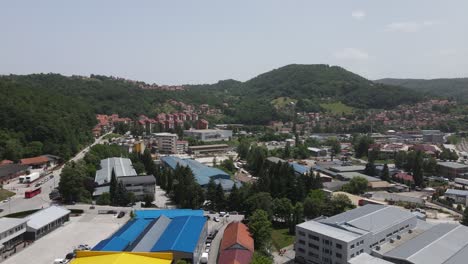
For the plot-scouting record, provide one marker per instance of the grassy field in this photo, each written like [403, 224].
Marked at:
[5, 194]
[282, 102]
[337, 108]
[281, 238]
[112, 135]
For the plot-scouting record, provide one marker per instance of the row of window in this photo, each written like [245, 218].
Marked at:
[357, 253]
[357, 244]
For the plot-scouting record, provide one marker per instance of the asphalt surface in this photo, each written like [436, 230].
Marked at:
[220, 226]
[18, 203]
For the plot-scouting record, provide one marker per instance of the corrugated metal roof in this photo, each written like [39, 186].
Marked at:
[235, 256]
[453, 165]
[46, 216]
[121, 167]
[301, 169]
[348, 168]
[330, 231]
[370, 218]
[170, 213]
[201, 172]
[152, 235]
[456, 192]
[7, 223]
[182, 234]
[440, 244]
[365, 258]
[126, 235]
[141, 179]
[350, 175]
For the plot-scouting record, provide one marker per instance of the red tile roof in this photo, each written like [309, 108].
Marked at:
[235, 256]
[34, 160]
[3, 162]
[404, 176]
[236, 233]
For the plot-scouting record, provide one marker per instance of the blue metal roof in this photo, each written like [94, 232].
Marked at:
[182, 234]
[299, 168]
[124, 236]
[170, 213]
[201, 172]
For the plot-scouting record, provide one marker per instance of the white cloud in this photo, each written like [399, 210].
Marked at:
[351, 54]
[410, 26]
[358, 14]
[447, 52]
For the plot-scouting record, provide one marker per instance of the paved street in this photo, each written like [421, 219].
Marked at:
[220, 226]
[18, 203]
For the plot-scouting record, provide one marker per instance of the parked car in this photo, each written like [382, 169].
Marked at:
[221, 214]
[216, 219]
[121, 214]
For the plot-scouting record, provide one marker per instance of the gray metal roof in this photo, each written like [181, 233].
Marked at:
[350, 175]
[370, 218]
[453, 165]
[365, 258]
[121, 167]
[330, 231]
[7, 223]
[443, 243]
[137, 180]
[150, 238]
[275, 160]
[46, 216]
[348, 168]
[456, 192]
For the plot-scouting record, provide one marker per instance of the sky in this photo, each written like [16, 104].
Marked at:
[203, 41]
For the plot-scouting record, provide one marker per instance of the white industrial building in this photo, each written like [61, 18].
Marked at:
[458, 196]
[337, 239]
[45, 221]
[209, 134]
[11, 234]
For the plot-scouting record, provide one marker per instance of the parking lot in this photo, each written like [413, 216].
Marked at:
[89, 229]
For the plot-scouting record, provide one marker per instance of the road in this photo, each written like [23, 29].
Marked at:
[18, 203]
[220, 226]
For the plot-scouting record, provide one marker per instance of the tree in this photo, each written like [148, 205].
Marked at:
[418, 169]
[211, 193]
[361, 145]
[235, 199]
[357, 185]
[430, 166]
[73, 180]
[370, 169]
[335, 145]
[464, 220]
[260, 228]
[287, 151]
[139, 167]
[314, 203]
[297, 217]
[104, 199]
[113, 188]
[339, 203]
[243, 148]
[282, 209]
[148, 200]
[385, 173]
[400, 159]
[259, 258]
[261, 200]
[220, 199]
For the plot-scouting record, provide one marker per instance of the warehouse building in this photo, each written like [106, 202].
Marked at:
[452, 170]
[237, 245]
[11, 171]
[208, 149]
[11, 234]
[140, 185]
[180, 232]
[201, 172]
[45, 221]
[347, 235]
[207, 135]
[458, 196]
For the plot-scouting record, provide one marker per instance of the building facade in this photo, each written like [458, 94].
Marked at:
[452, 170]
[207, 135]
[338, 239]
[166, 142]
[11, 234]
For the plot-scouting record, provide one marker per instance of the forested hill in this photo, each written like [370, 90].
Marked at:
[456, 88]
[323, 81]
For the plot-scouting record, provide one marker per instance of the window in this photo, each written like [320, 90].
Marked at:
[352, 246]
[339, 246]
[301, 233]
[361, 251]
[382, 240]
[389, 235]
[362, 242]
[338, 255]
[301, 250]
[313, 246]
[326, 242]
[352, 255]
[316, 238]
[302, 242]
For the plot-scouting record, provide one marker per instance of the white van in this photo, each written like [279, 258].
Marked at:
[204, 258]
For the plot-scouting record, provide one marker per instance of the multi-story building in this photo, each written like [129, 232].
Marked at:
[209, 134]
[11, 234]
[338, 239]
[433, 136]
[182, 146]
[166, 142]
[452, 169]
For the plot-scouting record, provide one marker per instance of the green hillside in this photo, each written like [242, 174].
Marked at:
[456, 88]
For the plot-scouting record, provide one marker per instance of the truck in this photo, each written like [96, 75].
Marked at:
[31, 177]
[204, 258]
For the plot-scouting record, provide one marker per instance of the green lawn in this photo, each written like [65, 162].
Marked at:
[281, 238]
[5, 194]
[337, 108]
[282, 102]
[112, 135]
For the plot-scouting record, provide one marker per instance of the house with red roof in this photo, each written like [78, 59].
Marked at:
[237, 245]
[404, 177]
